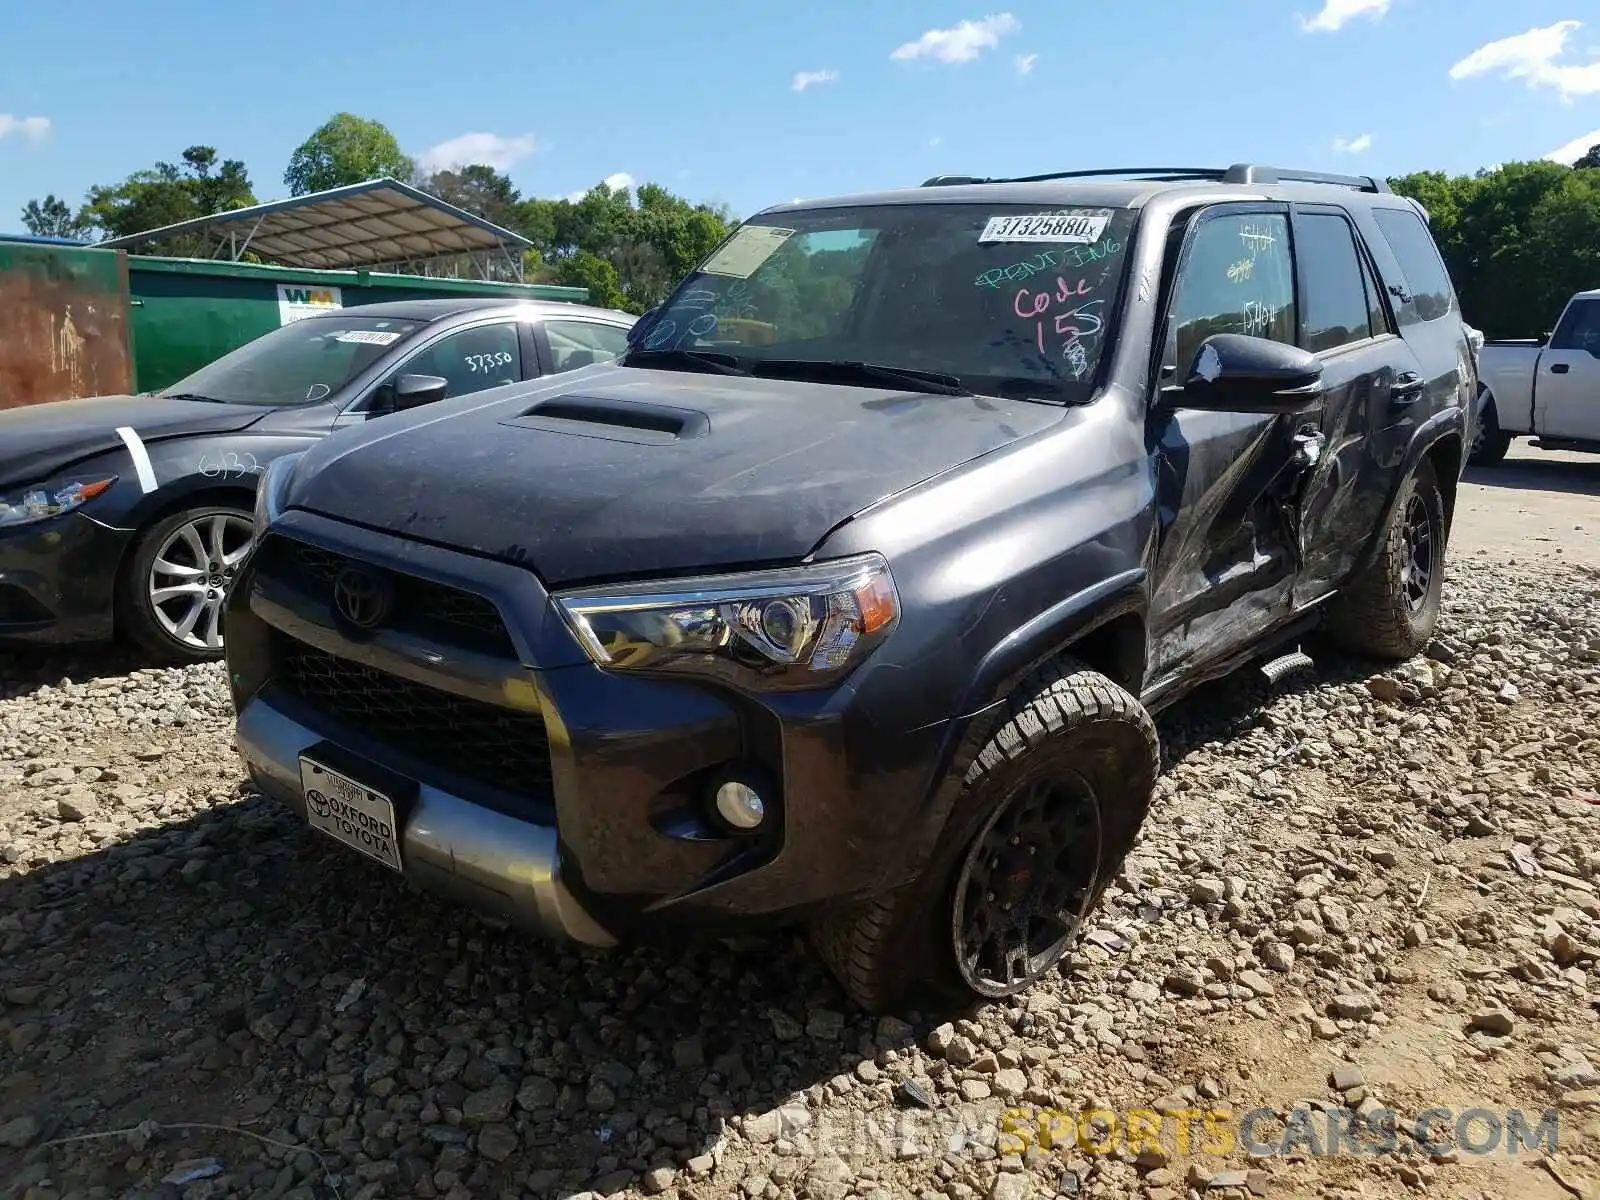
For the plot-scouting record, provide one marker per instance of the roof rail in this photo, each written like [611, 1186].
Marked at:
[1238, 173]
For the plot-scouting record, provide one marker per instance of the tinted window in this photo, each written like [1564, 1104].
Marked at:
[1236, 279]
[575, 344]
[1579, 328]
[1377, 318]
[299, 363]
[1333, 297]
[1007, 298]
[471, 359]
[1426, 278]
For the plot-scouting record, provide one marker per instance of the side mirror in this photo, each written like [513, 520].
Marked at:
[413, 391]
[1235, 373]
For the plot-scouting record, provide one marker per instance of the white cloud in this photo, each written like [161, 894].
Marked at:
[1359, 144]
[1025, 63]
[960, 43]
[936, 140]
[805, 79]
[617, 181]
[1575, 149]
[34, 129]
[1336, 14]
[1531, 57]
[491, 149]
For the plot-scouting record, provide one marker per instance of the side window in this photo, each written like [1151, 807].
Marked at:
[1377, 318]
[1426, 279]
[470, 359]
[575, 344]
[1579, 328]
[1333, 297]
[1237, 278]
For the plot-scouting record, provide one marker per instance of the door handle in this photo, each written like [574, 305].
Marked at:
[1560, 368]
[1406, 388]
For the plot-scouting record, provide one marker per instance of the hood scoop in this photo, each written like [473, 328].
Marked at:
[614, 420]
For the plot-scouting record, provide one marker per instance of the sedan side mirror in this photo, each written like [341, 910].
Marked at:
[413, 391]
[1235, 373]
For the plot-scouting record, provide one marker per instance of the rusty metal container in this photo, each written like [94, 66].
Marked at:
[63, 322]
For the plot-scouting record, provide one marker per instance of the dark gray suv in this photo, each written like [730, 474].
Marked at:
[846, 595]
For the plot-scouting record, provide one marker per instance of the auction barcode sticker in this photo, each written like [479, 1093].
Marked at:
[1046, 227]
[375, 337]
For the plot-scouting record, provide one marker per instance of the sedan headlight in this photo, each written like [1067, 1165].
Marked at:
[791, 627]
[270, 488]
[49, 500]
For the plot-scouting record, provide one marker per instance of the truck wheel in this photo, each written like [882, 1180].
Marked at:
[1390, 609]
[177, 578]
[1489, 445]
[1047, 812]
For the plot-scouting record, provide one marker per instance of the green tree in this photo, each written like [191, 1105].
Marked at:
[346, 149]
[479, 189]
[51, 217]
[168, 193]
[1591, 160]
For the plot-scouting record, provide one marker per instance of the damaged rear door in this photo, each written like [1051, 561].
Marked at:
[1227, 484]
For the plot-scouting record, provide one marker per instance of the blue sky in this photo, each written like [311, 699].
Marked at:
[761, 102]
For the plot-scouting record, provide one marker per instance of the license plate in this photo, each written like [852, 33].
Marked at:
[351, 812]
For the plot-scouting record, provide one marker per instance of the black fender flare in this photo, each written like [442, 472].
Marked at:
[1002, 668]
[1449, 422]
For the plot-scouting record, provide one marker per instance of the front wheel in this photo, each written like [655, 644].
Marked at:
[1390, 609]
[1490, 443]
[178, 578]
[1047, 812]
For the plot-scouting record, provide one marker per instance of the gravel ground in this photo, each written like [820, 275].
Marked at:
[1359, 889]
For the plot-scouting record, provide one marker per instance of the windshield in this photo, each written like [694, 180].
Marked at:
[300, 363]
[1007, 299]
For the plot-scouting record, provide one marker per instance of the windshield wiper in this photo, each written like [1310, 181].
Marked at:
[696, 360]
[190, 396]
[907, 378]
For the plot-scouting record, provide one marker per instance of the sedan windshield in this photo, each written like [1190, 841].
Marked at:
[995, 299]
[300, 363]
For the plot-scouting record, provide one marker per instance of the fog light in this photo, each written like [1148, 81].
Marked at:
[739, 805]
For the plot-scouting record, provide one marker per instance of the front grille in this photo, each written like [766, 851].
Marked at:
[501, 749]
[422, 606]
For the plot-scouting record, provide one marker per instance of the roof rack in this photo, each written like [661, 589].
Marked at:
[1238, 173]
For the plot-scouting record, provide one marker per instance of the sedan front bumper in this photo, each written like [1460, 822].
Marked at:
[496, 864]
[58, 579]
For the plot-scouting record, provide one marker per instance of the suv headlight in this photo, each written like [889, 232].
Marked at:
[49, 500]
[793, 627]
[270, 488]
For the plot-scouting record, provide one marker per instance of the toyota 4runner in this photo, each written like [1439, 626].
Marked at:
[845, 597]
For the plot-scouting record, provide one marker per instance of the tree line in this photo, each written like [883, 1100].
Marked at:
[1519, 239]
[627, 246]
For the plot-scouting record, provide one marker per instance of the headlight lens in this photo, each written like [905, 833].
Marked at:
[49, 500]
[270, 488]
[793, 627]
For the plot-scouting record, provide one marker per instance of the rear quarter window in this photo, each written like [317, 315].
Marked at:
[1426, 279]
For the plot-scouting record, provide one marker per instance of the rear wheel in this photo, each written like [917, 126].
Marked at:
[1047, 812]
[1389, 611]
[178, 578]
[1489, 443]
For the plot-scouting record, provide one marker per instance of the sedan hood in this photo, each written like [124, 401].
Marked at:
[618, 471]
[37, 440]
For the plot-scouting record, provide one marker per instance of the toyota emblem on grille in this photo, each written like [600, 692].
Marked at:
[362, 597]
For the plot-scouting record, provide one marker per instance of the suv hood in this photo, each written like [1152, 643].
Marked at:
[621, 471]
[37, 440]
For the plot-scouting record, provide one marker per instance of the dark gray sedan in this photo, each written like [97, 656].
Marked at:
[129, 514]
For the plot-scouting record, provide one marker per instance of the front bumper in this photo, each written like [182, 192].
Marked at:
[563, 797]
[58, 579]
[491, 862]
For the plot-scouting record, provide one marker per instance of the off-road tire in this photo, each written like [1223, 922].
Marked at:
[900, 948]
[135, 618]
[1492, 443]
[1372, 616]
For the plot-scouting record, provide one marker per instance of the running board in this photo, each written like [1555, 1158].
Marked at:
[1284, 664]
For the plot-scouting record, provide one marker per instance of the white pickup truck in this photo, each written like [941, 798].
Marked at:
[1549, 387]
